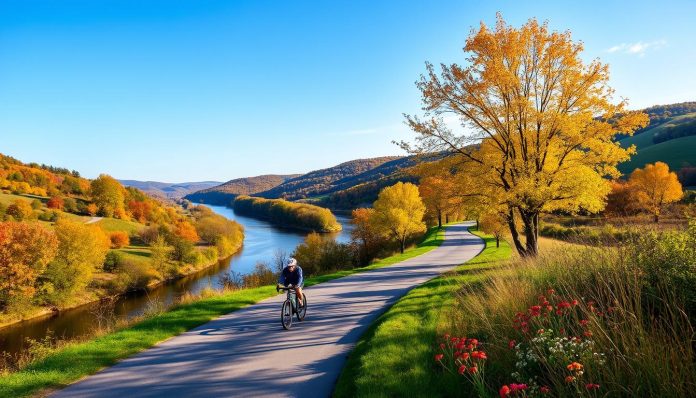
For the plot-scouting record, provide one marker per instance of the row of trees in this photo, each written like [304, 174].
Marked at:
[290, 214]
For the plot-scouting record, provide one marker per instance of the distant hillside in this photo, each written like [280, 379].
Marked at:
[223, 194]
[672, 141]
[321, 182]
[169, 190]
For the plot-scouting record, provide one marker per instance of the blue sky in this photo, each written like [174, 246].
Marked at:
[213, 90]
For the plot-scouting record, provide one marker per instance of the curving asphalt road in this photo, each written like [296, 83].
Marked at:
[247, 352]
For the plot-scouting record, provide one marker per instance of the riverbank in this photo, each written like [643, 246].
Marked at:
[94, 296]
[287, 214]
[75, 360]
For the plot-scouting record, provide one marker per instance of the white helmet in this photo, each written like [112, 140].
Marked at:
[292, 262]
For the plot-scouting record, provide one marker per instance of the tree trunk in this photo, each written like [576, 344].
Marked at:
[477, 224]
[515, 235]
[403, 244]
[447, 218]
[656, 218]
[439, 219]
[531, 232]
[497, 241]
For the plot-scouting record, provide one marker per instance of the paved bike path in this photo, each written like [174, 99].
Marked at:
[247, 352]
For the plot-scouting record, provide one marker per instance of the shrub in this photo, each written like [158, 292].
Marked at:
[36, 204]
[70, 205]
[112, 261]
[55, 202]
[20, 210]
[119, 239]
[318, 255]
[49, 216]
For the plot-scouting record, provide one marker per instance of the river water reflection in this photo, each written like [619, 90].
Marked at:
[261, 241]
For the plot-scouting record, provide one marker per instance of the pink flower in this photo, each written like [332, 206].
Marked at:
[518, 387]
[512, 344]
[545, 390]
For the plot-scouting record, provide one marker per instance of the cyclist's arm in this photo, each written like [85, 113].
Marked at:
[281, 279]
[300, 278]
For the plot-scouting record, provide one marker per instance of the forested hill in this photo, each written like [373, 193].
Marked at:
[169, 190]
[223, 194]
[328, 180]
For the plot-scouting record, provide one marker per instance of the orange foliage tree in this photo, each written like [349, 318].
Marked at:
[119, 239]
[55, 202]
[655, 186]
[25, 250]
[185, 230]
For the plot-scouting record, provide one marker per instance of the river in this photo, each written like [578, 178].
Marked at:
[261, 242]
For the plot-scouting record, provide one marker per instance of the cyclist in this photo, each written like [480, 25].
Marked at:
[292, 276]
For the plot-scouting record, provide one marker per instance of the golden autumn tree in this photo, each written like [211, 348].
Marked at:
[364, 233]
[538, 123]
[108, 194]
[25, 250]
[654, 187]
[398, 212]
[81, 251]
[493, 223]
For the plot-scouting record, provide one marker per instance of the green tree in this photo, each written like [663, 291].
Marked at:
[108, 195]
[398, 212]
[160, 256]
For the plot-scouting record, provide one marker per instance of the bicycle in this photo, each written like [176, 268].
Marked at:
[290, 307]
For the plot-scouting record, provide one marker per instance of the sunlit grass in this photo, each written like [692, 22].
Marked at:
[394, 357]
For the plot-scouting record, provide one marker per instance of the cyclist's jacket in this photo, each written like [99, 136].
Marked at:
[291, 278]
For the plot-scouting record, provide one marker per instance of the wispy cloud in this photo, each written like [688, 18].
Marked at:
[638, 48]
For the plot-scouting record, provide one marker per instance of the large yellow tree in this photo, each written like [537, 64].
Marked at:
[654, 187]
[538, 123]
[398, 212]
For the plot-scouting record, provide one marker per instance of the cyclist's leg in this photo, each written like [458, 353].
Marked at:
[298, 291]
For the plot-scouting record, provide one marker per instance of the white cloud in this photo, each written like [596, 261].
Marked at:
[638, 48]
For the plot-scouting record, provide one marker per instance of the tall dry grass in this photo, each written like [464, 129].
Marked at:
[648, 338]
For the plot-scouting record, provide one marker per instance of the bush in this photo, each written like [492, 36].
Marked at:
[49, 216]
[119, 239]
[319, 255]
[55, 202]
[70, 205]
[112, 261]
[20, 210]
[541, 321]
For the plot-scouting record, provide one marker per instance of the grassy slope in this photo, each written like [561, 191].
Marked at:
[80, 359]
[395, 356]
[673, 152]
[113, 224]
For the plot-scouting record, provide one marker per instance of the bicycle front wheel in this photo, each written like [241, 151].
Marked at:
[286, 315]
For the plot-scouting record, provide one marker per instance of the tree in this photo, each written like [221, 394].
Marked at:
[25, 250]
[159, 257]
[186, 231]
[365, 234]
[20, 210]
[55, 202]
[493, 223]
[655, 186]
[540, 123]
[398, 212]
[81, 250]
[119, 239]
[108, 195]
[435, 192]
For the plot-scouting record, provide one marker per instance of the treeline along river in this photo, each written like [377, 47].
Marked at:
[261, 242]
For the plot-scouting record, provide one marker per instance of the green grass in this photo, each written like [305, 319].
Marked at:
[77, 360]
[114, 224]
[8, 198]
[394, 358]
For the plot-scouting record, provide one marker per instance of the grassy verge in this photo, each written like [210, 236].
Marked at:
[76, 360]
[395, 356]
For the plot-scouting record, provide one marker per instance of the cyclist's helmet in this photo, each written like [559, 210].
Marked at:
[292, 262]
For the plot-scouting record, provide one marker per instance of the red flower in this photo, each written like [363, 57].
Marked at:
[563, 305]
[591, 386]
[462, 369]
[512, 344]
[550, 292]
[439, 357]
[584, 322]
[587, 333]
[569, 379]
[504, 391]
[545, 390]
[575, 366]
[518, 387]
[465, 356]
[575, 302]
[540, 331]
[473, 369]
[473, 342]
[535, 310]
[479, 355]
[442, 346]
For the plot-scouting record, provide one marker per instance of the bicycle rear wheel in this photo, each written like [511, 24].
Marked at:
[286, 315]
[302, 311]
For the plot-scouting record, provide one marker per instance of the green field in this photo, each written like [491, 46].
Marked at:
[674, 152]
[113, 224]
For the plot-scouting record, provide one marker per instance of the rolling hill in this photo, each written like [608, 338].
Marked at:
[655, 144]
[223, 194]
